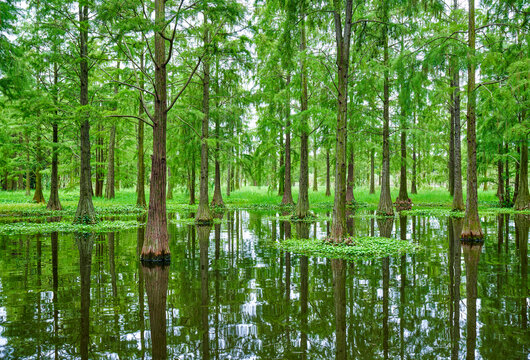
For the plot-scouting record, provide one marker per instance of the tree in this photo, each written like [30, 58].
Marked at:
[471, 229]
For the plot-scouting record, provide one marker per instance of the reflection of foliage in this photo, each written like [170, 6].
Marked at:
[251, 309]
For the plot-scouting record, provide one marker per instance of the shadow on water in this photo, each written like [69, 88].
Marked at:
[236, 295]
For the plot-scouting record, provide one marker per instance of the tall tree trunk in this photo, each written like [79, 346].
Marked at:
[500, 174]
[338, 228]
[451, 161]
[472, 229]
[228, 175]
[328, 180]
[458, 196]
[523, 197]
[110, 189]
[85, 212]
[516, 182]
[53, 202]
[385, 200]
[281, 175]
[372, 171]
[38, 197]
[302, 207]
[315, 175]
[203, 213]
[192, 179]
[140, 179]
[403, 201]
[156, 247]
[28, 168]
[350, 199]
[507, 177]
[217, 199]
[287, 198]
[99, 161]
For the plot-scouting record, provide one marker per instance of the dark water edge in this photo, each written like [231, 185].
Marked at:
[229, 293]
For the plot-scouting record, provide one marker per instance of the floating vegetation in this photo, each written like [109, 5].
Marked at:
[360, 248]
[24, 228]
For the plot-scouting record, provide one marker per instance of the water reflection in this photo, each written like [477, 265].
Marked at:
[237, 295]
[85, 244]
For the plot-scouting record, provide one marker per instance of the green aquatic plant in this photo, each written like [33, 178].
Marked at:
[359, 248]
[25, 228]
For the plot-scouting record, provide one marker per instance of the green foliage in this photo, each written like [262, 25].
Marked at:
[359, 248]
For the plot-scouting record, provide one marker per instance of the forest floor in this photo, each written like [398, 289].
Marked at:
[15, 203]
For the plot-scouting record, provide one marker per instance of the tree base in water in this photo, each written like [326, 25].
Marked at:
[472, 240]
[155, 259]
[403, 204]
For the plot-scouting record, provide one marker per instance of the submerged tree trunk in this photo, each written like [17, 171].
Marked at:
[338, 228]
[338, 268]
[385, 199]
[156, 247]
[287, 198]
[203, 213]
[472, 229]
[109, 190]
[85, 244]
[328, 180]
[350, 199]
[85, 212]
[523, 197]
[302, 207]
[471, 259]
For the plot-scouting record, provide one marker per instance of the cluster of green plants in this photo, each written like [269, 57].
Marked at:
[27, 228]
[359, 248]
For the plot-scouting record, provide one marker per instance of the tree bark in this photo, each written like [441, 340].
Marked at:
[350, 199]
[192, 179]
[458, 197]
[281, 175]
[516, 182]
[328, 180]
[472, 229]
[38, 197]
[523, 197]
[302, 207]
[140, 178]
[385, 199]
[100, 158]
[85, 212]
[315, 175]
[372, 171]
[28, 169]
[500, 176]
[110, 189]
[287, 198]
[156, 247]
[203, 213]
[403, 201]
[217, 199]
[53, 202]
[338, 227]
[451, 162]
[507, 177]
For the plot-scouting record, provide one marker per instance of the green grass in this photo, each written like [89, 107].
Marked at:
[23, 228]
[361, 248]
[15, 203]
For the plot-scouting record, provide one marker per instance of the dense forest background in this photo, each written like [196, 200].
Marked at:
[106, 95]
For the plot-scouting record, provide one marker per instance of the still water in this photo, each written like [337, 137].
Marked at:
[230, 294]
